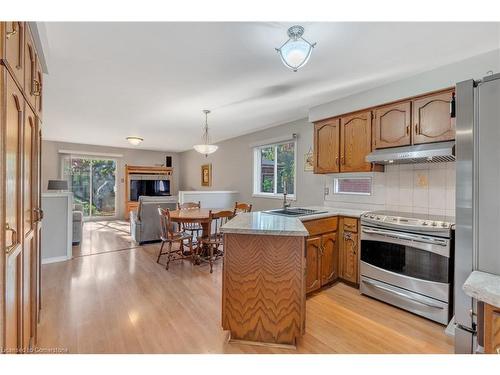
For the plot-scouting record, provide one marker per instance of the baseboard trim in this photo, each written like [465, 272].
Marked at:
[55, 259]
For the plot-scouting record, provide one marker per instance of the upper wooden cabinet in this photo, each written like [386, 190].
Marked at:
[355, 142]
[13, 36]
[392, 125]
[326, 146]
[432, 121]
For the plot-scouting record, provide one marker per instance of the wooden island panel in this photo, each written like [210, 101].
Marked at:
[263, 290]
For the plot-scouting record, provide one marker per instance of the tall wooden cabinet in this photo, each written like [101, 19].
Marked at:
[20, 188]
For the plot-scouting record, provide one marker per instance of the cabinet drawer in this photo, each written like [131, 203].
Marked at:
[350, 224]
[319, 226]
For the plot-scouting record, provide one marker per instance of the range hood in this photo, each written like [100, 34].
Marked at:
[426, 153]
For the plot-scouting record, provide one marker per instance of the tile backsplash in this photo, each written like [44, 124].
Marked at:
[420, 188]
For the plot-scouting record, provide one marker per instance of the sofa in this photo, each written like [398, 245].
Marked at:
[145, 222]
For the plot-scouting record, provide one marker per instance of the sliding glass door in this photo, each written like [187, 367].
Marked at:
[93, 183]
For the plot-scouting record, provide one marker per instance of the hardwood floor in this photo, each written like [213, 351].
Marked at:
[124, 302]
[103, 236]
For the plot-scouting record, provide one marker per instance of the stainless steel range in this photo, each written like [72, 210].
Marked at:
[407, 261]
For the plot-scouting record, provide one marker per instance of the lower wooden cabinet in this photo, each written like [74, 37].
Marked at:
[491, 329]
[331, 253]
[349, 257]
[313, 278]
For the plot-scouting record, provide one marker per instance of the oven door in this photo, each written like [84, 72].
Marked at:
[418, 263]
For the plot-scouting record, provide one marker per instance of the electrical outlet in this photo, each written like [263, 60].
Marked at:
[327, 190]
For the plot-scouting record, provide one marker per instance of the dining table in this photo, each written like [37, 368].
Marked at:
[196, 215]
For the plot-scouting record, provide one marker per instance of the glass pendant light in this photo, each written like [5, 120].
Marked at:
[296, 51]
[206, 148]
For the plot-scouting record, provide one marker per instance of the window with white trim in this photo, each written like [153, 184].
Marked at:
[275, 169]
[353, 185]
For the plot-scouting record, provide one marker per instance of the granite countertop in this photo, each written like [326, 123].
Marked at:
[269, 224]
[484, 287]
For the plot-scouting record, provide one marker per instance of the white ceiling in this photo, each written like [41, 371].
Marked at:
[110, 80]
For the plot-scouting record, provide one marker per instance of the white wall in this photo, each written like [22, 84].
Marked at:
[51, 166]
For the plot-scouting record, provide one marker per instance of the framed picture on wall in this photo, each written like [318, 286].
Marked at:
[206, 175]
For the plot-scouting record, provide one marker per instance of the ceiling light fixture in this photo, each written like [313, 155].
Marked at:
[134, 140]
[206, 148]
[295, 52]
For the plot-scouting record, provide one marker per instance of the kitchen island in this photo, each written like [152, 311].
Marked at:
[264, 276]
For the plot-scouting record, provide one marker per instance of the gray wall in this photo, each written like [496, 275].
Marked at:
[232, 166]
[51, 166]
[445, 76]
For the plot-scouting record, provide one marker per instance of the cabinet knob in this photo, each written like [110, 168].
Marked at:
[498, 349]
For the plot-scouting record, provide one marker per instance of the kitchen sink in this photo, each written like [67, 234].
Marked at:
[294, 212]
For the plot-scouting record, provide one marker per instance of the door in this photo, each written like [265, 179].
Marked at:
[326, 146]
[14, 48]
[350, 257]
[329, 258]
[29, 67]
[355, 142]
[93, 183]
[432, 121]
[13, 217]
[313, 279]
[392, 125]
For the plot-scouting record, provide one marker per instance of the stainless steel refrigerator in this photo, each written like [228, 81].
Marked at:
[477, 235]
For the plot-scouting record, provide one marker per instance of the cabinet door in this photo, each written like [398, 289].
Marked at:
[326, 146]
[13, 217]
[491, 329]
[432, 121]
[14, 48]
[29, 67]
[350, 257]
[313, 281]
[355, 142]
[392, 125]
[329, 258]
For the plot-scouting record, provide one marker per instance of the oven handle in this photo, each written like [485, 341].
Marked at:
[401, 294]
[405, 237]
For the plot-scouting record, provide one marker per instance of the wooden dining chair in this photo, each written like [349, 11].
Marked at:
[193, 228]
[241, 207]
[214, 243]
[169, 235]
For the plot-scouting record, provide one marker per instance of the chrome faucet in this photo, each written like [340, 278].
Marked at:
[285, 203]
